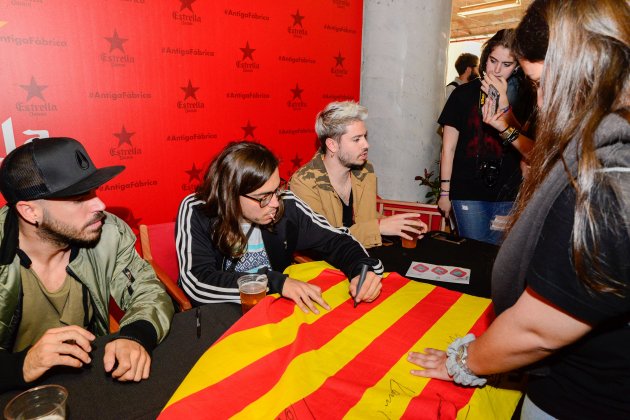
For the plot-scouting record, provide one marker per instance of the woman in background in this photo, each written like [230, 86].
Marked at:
[561, 281]
[479, 170]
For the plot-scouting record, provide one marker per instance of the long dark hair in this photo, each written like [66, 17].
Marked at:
[502, 38]
[586, 77]
[525, 94]
[238, 169]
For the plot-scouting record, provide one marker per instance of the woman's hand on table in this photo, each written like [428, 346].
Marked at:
[432, 361]
[370, 289]
[305, 295]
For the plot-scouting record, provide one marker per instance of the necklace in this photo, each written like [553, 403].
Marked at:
[345, 190]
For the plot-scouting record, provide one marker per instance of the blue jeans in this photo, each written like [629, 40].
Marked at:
[474, 219]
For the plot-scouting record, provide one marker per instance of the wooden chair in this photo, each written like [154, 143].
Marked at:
[429, 213]
[114, 326]
[158, 248]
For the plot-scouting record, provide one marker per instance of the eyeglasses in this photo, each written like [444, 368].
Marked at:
[265, 199]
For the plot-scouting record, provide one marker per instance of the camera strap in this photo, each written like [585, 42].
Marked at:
[481, 139]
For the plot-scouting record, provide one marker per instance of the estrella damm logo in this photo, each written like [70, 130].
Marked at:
[338, 69]
[190, 103]
[116, 55]
[296, 102]
[35, 104]
[247, 63]
[186, 15]
[124, 149]
[297, 28]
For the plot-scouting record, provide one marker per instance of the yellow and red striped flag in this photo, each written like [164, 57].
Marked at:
[278, 362]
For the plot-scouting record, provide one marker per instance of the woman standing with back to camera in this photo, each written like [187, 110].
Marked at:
[479, 170]
[561, 281]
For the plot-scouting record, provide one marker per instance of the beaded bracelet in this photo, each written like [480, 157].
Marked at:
[456, 364]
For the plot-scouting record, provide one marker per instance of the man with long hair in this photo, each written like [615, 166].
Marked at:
[561, 280]
[241, 220]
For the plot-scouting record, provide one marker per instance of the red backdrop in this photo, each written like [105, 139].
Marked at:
[161, 86]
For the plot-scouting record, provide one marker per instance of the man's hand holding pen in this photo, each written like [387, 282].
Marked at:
[368, 290]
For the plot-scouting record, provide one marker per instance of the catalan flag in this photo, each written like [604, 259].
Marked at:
[278, 362]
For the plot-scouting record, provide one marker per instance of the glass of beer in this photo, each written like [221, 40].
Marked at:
[253, 288]
[409, 243]
[42, 402]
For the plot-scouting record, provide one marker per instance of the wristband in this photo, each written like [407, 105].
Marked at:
[445, 180]
[444, 194]
[506, 133]
[456, 363]
[511, 137]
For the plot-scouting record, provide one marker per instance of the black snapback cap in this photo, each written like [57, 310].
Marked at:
[54, 167]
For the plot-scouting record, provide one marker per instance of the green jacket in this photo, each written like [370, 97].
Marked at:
[112, 268]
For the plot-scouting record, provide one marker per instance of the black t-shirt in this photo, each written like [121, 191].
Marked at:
[590, 378]
[479, 143]
[347, 218]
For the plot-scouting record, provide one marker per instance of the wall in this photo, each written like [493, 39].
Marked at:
[402, 84]
[161, 86]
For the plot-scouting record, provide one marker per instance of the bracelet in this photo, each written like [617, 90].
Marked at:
[506, 133]
[445, 180]
[444, 194]
[512, 137]
[456, 365]
[443, 190]
[504, 130]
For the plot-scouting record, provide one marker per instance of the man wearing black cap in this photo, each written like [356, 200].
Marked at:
[61, 258]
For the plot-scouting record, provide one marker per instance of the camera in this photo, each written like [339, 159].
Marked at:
[488, 171]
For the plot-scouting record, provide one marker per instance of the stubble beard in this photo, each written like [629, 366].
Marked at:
[63, 235]
[346, 162]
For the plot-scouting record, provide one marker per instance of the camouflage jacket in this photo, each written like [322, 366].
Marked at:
[311, 184]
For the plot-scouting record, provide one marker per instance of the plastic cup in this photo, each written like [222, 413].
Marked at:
[253, 288]
[410, 243]
[46, 402]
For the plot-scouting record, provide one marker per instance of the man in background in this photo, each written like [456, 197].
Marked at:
[467, 66]
[61, 258]
[339, 182]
